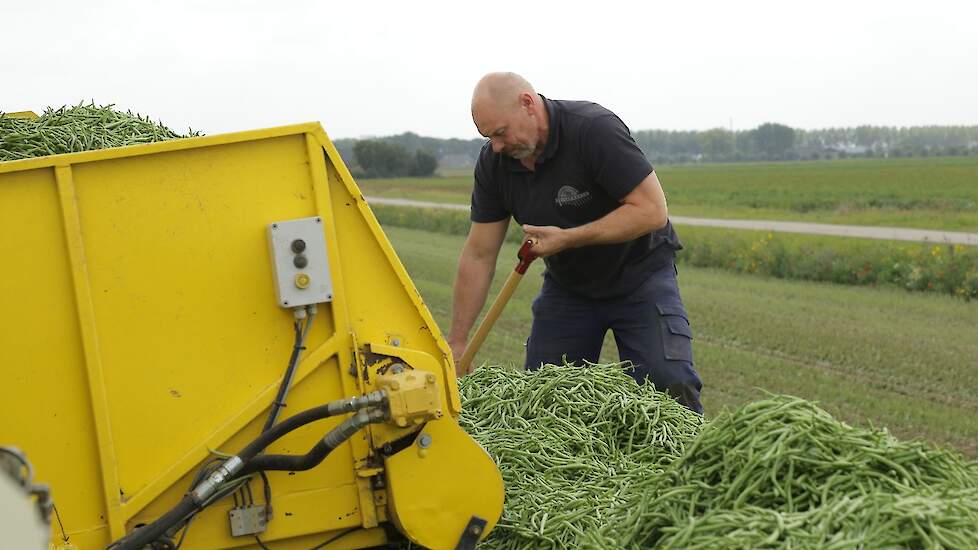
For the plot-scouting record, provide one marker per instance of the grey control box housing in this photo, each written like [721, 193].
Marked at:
[299, 262]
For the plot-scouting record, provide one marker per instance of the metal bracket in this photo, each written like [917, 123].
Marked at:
[472, 533]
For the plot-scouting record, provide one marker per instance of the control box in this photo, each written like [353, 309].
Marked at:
[299, 262]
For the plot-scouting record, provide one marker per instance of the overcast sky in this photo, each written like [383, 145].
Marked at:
[367, 68]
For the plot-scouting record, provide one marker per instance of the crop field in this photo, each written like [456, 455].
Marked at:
[930, 193]
[868, 355]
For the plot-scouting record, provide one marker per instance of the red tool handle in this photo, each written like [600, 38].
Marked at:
[526, 256]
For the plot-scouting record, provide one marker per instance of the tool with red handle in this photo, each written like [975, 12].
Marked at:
[526, 256]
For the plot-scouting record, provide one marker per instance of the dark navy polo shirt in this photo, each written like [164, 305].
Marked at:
[589, 164]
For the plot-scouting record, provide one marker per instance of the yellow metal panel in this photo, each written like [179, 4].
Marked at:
[174, 241]
[93, 359]
[436, 514]
[158, 337]
[44, 399]
[21, 114]
[316, 358]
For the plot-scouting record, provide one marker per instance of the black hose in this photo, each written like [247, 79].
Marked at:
[290, 463]
[188, 506]
[318, 453]
[283, 388]
[293, 422]
[149, 533]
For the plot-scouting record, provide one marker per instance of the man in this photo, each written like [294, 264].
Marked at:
[570, 173]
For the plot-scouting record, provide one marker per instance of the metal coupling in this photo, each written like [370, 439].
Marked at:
[352, 425]
[224, 472]
[350, 404]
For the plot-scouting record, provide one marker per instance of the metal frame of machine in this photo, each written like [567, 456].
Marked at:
[142, 323]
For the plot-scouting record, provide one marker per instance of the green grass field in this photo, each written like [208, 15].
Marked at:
[882, 356]
[930, 193]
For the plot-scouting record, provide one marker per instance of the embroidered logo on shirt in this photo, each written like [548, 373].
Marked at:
[568, 195]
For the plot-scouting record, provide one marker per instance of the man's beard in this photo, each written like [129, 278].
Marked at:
[520, 152]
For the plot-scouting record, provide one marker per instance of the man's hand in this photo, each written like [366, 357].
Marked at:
[547, 240]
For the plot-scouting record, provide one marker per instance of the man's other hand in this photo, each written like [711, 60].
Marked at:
[547, 240]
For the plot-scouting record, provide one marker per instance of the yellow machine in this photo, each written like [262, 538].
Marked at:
[151, 297]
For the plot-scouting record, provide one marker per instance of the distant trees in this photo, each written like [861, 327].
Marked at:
[424, 164]
[383, 159]
[717, 144]
[409, 154]
[773, 140]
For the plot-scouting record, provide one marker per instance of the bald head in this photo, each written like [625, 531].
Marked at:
[500, 91]
[507, 110]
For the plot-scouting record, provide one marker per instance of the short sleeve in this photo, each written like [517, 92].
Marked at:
[617, 162]
[487, 203]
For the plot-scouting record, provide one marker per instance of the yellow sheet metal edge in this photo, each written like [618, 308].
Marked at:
[158, 147]
[93, 362]
[454, 400]
[30, 115]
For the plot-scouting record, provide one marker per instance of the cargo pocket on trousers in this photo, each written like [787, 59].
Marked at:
[677, 337]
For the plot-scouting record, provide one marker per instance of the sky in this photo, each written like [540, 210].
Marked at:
[367, 68]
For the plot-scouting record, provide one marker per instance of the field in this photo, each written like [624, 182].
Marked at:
[868, 355]
[929, 193]
[868, 350]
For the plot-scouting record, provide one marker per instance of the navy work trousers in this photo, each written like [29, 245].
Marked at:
[650, 327]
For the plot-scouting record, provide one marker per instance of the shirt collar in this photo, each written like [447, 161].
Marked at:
[554, 135]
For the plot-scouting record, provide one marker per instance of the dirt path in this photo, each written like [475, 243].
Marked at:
[861, 231]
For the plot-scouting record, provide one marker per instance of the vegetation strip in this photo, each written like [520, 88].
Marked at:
[944, 269]
[856, 231]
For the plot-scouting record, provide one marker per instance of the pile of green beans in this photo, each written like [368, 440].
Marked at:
[782, 473]
[78, 128]
[592, 460]
[570, 443]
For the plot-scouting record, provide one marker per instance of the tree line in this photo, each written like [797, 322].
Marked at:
[410, 154]
[773, 141]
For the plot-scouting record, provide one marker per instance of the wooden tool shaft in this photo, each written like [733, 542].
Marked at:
[497, 308]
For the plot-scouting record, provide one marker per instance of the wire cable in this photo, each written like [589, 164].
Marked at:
[333, 539]
[61, 525]
[283, 389]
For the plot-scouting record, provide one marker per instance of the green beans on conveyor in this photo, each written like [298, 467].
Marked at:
[78, 128]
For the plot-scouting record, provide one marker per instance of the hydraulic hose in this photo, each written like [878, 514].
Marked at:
[148, 533]
[340, 406]
[195, 500]
[332, 440]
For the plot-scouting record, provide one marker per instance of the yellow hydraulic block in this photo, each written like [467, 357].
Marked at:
[147, 327]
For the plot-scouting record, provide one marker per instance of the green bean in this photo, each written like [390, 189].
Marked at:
[78, 128]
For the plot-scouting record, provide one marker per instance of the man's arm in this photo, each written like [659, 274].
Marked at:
[476, 267]
[643, 210]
